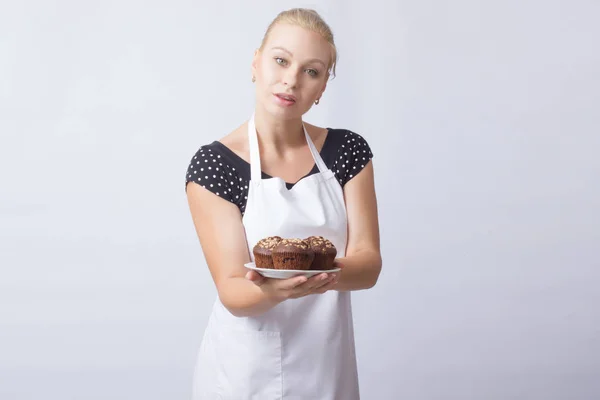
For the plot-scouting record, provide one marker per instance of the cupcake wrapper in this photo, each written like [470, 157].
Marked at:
[323, 262]
[263, 261]
[292, 260]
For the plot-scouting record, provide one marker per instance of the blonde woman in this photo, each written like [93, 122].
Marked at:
[277, 175]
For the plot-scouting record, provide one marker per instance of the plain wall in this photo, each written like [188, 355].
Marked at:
[484, 121]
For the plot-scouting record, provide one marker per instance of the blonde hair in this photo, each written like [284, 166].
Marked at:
[310, 20]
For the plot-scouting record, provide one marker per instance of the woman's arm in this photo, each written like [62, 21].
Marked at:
[362, 263]
[218, 224]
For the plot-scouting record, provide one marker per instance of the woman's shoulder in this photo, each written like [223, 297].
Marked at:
[236, 140]
[346, 153]
[345, 136]
[343, 141]
[226, 150]
[217, 168]
[337, 138]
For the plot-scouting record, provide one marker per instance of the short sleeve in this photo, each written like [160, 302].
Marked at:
[353, 155]
[208, 170]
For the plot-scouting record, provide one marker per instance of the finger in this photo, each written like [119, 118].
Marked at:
[322, 280]
[252, 276]
[292, 283]
[335, 276]
[312, 282]
[310, 285]
[331, 280]
[255, 278]
[325, 288]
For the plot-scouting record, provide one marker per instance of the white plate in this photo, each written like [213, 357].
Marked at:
[286, 273]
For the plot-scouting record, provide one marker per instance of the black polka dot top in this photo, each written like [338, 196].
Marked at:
[227, 175]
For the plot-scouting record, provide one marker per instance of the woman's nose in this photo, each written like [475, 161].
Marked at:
[290, 78]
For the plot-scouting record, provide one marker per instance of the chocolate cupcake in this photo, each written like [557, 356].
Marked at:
[263, 250]
[292, 254]
[325, 253]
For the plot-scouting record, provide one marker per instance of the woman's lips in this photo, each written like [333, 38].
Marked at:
[285, 99]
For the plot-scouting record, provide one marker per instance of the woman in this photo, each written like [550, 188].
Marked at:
[275, 175]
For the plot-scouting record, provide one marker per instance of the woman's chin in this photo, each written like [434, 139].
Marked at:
[283, 112]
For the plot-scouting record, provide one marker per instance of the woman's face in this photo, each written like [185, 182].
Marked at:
[291, 70]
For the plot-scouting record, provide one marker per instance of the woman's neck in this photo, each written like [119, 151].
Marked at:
[276, 134]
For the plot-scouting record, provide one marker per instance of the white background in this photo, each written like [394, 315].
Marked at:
[484, 121]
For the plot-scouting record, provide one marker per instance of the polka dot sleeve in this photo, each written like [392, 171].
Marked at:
[208, 170]
[352, 156]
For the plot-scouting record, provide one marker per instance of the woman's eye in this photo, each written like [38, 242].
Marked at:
[279, 60]
[312, 72]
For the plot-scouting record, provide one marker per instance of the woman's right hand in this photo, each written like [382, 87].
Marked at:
[292, 288]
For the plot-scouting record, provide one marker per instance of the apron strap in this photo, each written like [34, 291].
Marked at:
[315, 153]
[255, 169]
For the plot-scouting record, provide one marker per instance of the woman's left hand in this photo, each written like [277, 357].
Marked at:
[331, 285]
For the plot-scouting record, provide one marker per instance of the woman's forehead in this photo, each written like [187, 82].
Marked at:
[300, 42]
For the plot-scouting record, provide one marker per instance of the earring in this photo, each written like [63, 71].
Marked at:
[316, 101]
[253, 79]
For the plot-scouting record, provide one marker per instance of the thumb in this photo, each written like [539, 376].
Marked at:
[255, 277]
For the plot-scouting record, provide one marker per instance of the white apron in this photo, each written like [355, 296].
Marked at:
[302, 349]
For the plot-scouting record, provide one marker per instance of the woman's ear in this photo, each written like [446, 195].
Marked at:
[323, 89]
[255, 62]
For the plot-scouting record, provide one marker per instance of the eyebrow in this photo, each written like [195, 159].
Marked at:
[290, 53]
